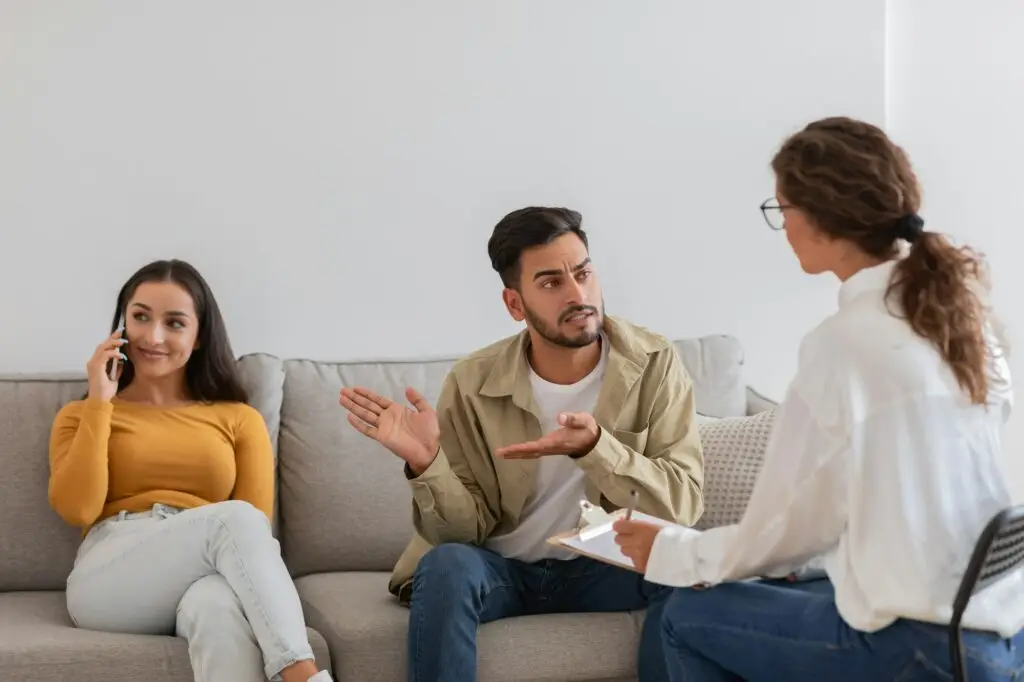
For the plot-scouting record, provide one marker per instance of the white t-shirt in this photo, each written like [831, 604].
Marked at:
[878, 462]
[554, 505]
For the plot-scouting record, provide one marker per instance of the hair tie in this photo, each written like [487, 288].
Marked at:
[909, 227]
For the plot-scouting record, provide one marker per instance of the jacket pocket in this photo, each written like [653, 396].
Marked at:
[634, 440]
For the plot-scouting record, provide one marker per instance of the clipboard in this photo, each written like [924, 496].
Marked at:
[598, 541]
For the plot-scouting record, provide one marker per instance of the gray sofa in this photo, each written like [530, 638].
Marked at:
[343, 517]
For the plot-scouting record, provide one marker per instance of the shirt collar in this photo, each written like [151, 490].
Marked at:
[510, 375]
[875, 278]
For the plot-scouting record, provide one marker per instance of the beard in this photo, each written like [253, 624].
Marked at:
[553, 334]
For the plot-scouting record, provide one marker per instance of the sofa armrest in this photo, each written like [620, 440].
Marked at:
[757, 402]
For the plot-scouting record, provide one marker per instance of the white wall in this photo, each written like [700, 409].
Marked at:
[956, 102]
[353, 157]
[335, 168]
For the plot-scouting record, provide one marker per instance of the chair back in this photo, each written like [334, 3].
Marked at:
[998, 551]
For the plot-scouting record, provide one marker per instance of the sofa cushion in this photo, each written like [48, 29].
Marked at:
[262, 376]
[715, 363]
[36, 547]
[733, 455]
[345, 503]
[38, 643]
[365, 629]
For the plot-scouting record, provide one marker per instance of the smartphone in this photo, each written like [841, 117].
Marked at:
[112, 364]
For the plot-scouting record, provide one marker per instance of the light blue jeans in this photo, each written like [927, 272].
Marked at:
[213, 575]
[774, 631]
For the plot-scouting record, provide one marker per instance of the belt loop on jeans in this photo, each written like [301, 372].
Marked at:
[163, 510]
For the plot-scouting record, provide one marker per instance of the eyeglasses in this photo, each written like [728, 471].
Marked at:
[773, 214]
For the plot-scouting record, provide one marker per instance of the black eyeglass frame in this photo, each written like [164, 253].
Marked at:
[764, 213]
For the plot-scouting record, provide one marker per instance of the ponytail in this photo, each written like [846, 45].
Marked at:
[853, 183]
[938, 284]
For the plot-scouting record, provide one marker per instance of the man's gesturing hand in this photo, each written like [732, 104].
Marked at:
[578, 436]
[413, 435]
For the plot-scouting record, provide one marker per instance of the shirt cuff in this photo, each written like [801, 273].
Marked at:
[672, 560]
[437, 474]
[604, 457]
[438, 468]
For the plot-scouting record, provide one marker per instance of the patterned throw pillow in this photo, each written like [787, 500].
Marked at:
[733, 454]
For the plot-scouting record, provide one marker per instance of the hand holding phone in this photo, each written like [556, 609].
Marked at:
[104, 367]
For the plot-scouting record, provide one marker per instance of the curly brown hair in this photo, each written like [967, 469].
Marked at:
[854, 183]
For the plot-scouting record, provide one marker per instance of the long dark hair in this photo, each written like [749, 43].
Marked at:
[856, 184]
[211, 374]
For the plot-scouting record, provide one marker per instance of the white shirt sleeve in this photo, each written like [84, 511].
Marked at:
[796, 511]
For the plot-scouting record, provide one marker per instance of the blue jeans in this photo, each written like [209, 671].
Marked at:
[458, 587]
[772, 631]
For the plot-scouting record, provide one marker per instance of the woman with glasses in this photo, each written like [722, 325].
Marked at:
[883, 457]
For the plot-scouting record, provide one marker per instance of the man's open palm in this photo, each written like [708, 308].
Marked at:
[412, 434]
[577, 435]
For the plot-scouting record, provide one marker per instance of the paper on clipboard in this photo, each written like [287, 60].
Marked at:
[598, 542]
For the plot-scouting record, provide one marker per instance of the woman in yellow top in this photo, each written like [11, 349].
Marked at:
[171, 475]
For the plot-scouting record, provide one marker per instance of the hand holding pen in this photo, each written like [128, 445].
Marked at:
[635, 538]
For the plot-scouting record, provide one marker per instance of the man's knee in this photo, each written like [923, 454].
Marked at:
[449, 567]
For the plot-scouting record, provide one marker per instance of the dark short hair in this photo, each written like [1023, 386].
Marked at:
[211, 374]
[524, 229]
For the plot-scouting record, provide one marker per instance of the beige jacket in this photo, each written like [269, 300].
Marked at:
[648, 441]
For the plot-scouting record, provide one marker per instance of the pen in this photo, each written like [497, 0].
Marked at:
[632, 504]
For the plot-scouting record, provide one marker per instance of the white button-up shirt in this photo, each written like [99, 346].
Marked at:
[879, 464]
